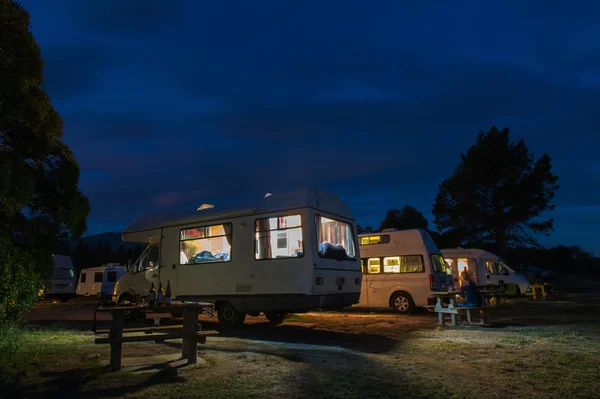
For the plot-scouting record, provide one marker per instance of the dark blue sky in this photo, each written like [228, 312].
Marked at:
[179, 103]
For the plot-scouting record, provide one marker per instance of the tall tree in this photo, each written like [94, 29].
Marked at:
[498, 194]
[402, 219]
[366, 229]
[40, 202]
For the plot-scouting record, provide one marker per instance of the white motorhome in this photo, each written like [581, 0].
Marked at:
[291, 252]
[95, 281]
[401, 269]
[62, 283]
[485, 268]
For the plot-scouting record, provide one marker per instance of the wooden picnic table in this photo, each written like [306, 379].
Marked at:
[189, 331]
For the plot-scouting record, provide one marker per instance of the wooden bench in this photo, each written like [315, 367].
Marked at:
[188, 331]
[453, 311]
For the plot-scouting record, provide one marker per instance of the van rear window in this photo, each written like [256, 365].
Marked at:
[438, 263]
[98, 277]
[377, 239]
[111, 277]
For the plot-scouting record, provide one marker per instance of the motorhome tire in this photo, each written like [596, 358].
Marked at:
[229, 316]
[402, 302]
[517, 291]
[275, 317]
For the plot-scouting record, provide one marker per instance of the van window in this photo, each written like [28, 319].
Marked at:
[205, 244]
[374, 265]
[98, 277]
[378, 239]
[438, 263]
[111, 277]
[403, 264]
[335, 239]
[83, 276]
[63, 274]
[278, 237]
[492, 267]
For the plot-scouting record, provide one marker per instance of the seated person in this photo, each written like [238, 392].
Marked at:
[469, 289]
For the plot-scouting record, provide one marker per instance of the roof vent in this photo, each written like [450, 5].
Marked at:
[267, 194]
[205, 206]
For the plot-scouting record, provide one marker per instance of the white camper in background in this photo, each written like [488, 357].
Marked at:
[62, 283]
[290, 253]
[485, 268]
[95, 281]
[401, 269]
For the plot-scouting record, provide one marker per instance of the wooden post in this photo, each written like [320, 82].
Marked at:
[189, 348]
[116, 334]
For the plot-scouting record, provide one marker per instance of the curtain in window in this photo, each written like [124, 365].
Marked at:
[227, 227]
[264, 239]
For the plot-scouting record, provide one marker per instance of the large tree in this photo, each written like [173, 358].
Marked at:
[402, 219]
[499, 194]
[40, 202]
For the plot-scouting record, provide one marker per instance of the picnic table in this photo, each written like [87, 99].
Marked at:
[190, 331]
[487, 293]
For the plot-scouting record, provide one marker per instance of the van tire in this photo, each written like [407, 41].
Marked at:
[229, 316]
[402, 302]
[275, 317]
[517, 291]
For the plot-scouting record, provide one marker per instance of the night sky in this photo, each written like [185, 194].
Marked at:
[173, 104]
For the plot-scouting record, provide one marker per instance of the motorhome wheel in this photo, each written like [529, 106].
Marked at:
[128, 314]
[275, 317]
[402, 302]
[229, 316]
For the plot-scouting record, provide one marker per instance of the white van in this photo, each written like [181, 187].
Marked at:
[95, 281]
[62, 283]
[485, 268]
[292, 252]
[401, 269]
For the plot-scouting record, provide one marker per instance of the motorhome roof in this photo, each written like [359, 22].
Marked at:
[475, 252]
[405, 238]
[318, 199]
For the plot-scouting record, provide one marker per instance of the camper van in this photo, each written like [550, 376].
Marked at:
[290, 252]
[98, 281]
[63, 282]
[485, 268]
[401, 269]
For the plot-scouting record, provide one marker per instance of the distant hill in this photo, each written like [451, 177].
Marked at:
[113, 238]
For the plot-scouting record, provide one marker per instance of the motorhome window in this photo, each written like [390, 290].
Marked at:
[111, 277]
[207, 244]
[278, 237]
[403, 264]
[153, 256]
[83, 276]
[438, 263]
[370, 240]
[335, 239]
[363, 265]
[492, 267]
[374, 265]
[63, 274]
[98, 277]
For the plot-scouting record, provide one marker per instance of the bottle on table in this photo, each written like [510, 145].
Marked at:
[160, 297]
[168, 293]
[152, 296]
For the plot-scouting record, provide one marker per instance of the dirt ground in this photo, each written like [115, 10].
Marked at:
[542, 349]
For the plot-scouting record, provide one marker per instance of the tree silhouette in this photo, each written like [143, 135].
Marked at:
[362, 230]
[406, 218]
[40, 202]
[497, 194]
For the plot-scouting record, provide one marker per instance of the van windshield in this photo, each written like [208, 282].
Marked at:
[63, 274]
[335, 239]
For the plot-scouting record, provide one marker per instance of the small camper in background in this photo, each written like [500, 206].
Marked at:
[63, 282]
[95, 281]
[401, 269]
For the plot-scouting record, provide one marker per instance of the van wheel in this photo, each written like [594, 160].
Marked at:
[402, 302]
[229, 316]
[517, 291]
[275, 317]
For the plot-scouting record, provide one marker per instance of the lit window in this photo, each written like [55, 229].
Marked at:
[403, 264]
[335, 239]
[278, 237]
[379, 239]
[206, 244]
[374, 265]
[438, 263]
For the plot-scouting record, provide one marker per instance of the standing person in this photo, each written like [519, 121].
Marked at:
[469, 289]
